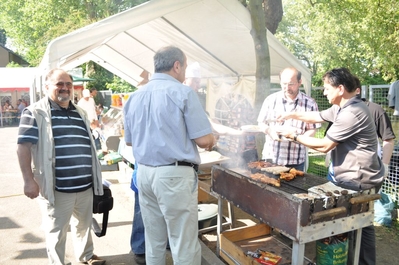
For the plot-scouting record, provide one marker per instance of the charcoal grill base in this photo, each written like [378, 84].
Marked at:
[330, 228]
[289, 213]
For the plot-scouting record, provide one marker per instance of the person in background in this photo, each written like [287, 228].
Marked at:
[87, 103]
[54, 135]
[20, 107]
[93, 93]
[164, 123]
[7, 112]
[193, 80]
[289, 99]
[26, 103]
[137, 238]
[393, 97]
[193, 76]
[99, 111]
[352, 140]
[384, 129]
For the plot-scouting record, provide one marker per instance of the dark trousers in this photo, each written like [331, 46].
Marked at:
[137, 240]
[367, 254]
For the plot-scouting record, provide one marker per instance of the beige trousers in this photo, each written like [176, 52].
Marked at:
[75, 209]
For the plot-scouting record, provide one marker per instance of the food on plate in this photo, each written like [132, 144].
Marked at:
[251, 128]
[265, 179]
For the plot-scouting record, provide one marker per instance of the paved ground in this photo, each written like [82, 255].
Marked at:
[22, 240]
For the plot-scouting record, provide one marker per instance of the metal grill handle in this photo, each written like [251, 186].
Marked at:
[328, 213]
[365, 198]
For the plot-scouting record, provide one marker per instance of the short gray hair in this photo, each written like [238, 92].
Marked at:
[165, 58]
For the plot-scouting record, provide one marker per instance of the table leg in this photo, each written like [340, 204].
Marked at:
[219, 225]
[231, 214]
[357, 246]
[298, 253]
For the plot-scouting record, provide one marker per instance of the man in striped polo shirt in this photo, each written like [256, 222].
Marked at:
[54, 136]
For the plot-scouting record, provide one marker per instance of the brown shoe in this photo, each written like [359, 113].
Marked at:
[95, 260]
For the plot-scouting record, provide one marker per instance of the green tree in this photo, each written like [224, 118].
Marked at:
[119, 85]
[33, 24]
[12, 65]
[361, 35]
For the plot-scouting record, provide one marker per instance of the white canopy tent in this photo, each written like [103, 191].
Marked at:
[215, 33]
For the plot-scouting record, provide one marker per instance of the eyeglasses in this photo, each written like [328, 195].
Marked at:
[288, 84]
[62, 84]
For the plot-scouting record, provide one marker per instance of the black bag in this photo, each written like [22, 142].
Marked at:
[102, 204]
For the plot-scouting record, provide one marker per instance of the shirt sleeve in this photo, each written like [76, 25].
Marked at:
[384, 127]
[28, 131]
[197, 122]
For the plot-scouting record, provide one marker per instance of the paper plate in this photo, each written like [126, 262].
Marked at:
[251, 128]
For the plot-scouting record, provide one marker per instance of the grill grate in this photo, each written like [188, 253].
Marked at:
[297, 185]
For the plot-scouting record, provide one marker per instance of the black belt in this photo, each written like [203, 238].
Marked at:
[183, 163]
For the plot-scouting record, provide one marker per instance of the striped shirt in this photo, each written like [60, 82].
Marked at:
[73, 161]
[286, 152]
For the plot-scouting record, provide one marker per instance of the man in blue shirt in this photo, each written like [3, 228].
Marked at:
[164, 123]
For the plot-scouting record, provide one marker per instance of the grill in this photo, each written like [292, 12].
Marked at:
[305, 209]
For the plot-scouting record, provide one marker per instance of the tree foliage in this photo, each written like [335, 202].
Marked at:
[359, 34]
[33, 24]
[119, 85]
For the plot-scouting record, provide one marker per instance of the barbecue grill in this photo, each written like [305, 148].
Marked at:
[305, 209]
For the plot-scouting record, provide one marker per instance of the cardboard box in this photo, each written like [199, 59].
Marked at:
[236, 242]
[203, 197]
[204, 187]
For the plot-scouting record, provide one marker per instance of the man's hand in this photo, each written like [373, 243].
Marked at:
[273, 134]
[281, 117]
[286, 132]
[207, 142]
[31, 189]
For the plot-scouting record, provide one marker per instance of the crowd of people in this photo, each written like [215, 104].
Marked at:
[168, 109]
[9, 114]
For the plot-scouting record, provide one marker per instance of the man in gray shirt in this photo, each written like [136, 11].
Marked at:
[352, 140]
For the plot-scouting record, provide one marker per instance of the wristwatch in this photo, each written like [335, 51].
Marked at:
[295, 136]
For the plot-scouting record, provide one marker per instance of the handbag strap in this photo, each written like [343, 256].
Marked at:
[96, 227]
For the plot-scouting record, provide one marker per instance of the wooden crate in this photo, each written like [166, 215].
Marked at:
[235, 242]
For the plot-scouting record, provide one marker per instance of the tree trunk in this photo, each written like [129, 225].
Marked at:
[259, 36]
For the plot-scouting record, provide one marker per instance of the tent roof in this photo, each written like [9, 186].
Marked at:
[19, 78]
[215, 33]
